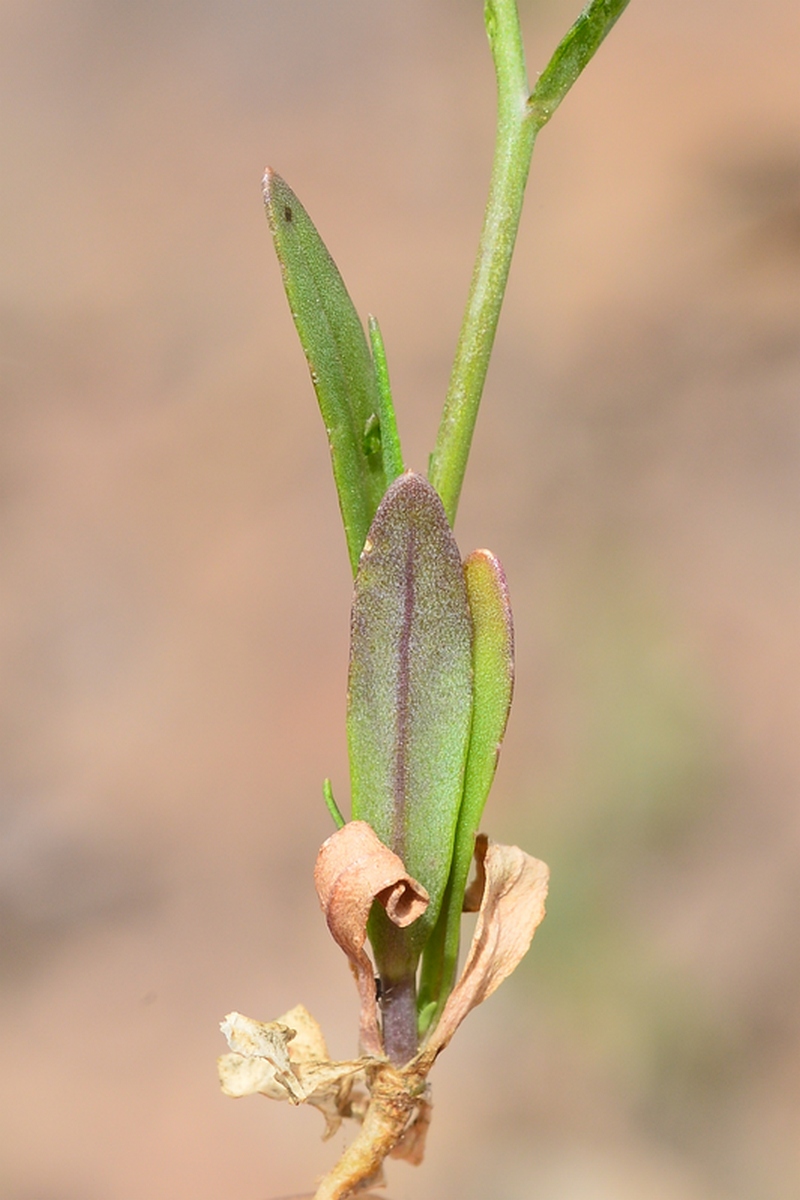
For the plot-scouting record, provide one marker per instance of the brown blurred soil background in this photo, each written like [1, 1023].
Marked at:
[174, 589]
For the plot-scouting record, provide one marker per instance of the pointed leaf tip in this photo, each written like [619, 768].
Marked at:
[338, 355]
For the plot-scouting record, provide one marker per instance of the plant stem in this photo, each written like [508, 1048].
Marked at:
[520, 116]
[399, 1013]
[516, 132]
[397, 969]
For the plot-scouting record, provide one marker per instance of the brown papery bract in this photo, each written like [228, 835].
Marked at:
[283, 1058]
[353, 869]
[511, 908]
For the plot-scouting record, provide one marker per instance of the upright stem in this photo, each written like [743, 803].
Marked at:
[399, 1012]
[516, 133]
[397, 970]
[520, 116]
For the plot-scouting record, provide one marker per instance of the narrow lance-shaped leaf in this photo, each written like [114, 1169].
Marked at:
[493, 664]
[390, 441]
[342, 369]
[410, 698]
[571, 55]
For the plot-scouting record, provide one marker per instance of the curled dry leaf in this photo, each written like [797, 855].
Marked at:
[353, 869]
[511, 908]
[288, 1060]
[473, 896]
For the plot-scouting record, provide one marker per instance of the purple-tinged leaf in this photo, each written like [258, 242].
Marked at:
[410, 695]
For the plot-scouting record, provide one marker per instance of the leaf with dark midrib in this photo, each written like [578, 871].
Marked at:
[410, 688]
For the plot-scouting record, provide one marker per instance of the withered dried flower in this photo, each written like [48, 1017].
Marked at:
[287, 1059]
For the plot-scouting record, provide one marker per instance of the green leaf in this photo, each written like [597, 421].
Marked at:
[339, 358]
[571, 55]
[493, 665]
[410, 698]
[331, 805]
[390, 440]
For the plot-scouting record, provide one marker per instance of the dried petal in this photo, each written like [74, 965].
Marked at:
[354, 868]
[511, 908]
[327, 1087]
[239, 1076]
[268, 1043]
[286, 1059]
[308, 1044]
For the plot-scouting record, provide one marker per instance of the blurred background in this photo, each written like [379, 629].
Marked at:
[174, 589]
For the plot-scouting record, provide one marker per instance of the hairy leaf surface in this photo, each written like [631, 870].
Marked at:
[410, 688]
[493, 664]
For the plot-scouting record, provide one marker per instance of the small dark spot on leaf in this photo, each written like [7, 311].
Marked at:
[287, 212]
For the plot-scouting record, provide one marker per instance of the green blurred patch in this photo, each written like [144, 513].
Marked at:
[641, 767]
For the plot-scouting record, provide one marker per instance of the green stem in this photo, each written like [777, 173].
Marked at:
[516, 132]
[520, 116]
